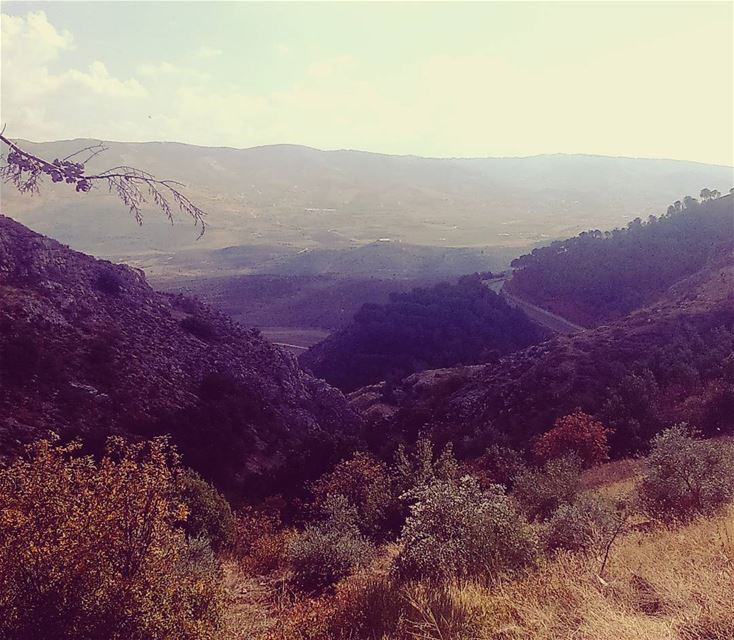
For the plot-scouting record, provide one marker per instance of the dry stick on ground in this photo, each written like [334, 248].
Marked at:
[134, 187]
[617, 530]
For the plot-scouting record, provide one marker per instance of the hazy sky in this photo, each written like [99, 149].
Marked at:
[439, 79]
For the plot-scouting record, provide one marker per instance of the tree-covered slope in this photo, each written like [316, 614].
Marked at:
[596, 277]
[442, 326]
[669, 362]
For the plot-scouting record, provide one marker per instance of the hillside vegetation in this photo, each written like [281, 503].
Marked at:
[428, 328]
[597, 566]
[597, 277]
[671, 361]
[473, 502]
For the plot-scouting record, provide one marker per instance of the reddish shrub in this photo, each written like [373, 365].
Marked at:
[365, 483]
[260, 540]
[577, 433]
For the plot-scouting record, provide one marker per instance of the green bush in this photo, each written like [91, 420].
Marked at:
[458, 530]
[541, 491]
[686, 476]
[422, 466]
[210, 515]
[582, 525]
[330, 550]
[109, 282]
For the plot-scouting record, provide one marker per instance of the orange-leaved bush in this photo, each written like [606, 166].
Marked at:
[261, 540]
[576, 433]
[91, 549]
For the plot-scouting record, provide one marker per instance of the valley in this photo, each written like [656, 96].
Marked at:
[469, 398]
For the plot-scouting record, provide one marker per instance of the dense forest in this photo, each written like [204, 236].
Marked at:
[600, 276]
[427, 328]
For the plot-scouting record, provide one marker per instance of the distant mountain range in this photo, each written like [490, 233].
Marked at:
[290, 197]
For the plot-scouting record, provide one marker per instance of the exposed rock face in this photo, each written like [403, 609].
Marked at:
[87, 348]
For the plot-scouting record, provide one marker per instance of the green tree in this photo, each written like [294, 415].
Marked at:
[686, 476]
[209, 513]
[456, 530]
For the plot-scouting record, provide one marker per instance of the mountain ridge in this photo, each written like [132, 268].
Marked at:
[301, 197]
[291, 145]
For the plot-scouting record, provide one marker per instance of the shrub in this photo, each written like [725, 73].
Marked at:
[576, 433]
[497, 465]
[421, 467]
[209, 513]
[91, 549]
[541, 491]
[458, 530]
[581, 525]
[364, 482]
[330, 550]
[109, 282]
[261, 542]
[685, 476]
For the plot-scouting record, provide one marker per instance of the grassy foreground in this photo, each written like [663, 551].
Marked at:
[659, 583]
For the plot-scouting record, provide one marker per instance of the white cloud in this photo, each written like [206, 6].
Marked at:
[34, 35]
[40, 103]
[98, 80]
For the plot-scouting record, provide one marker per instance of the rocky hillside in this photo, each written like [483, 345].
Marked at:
[87, 349]
[672, 361]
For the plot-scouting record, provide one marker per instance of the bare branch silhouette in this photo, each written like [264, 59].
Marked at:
[134, 187]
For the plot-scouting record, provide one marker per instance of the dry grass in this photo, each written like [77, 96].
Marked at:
[249, 604]
[612, 473]
[664, 584]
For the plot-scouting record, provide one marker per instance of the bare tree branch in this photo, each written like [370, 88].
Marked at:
[134, 187]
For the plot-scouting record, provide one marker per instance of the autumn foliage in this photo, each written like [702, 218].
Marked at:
[576, 433]
[260, 539]
[91, 549]
[365, 483]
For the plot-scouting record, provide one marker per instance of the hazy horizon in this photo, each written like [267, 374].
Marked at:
[433, 80]
[377, 153]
